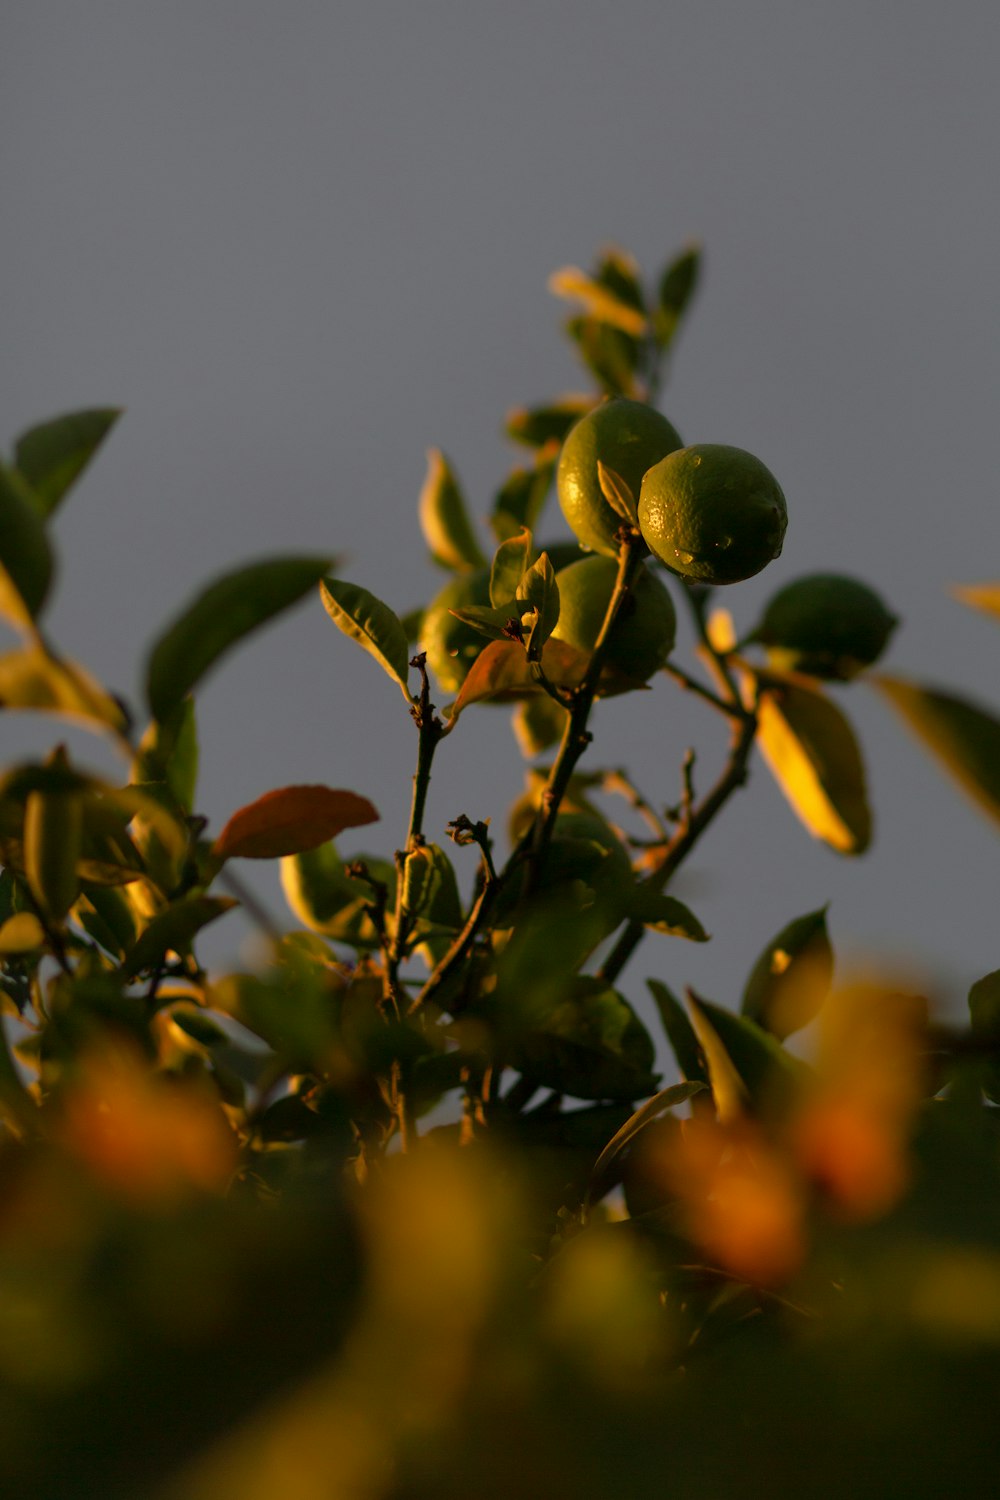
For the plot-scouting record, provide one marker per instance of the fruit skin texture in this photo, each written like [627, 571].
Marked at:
[628, 437]
[644, 632]
[712, 513]
[827, 625]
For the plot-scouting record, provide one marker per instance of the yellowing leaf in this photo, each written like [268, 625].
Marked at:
[811, 751]
[21, 933]
[291, 820]
[31, 679]
[964, 738]
[984, 596]
[600, 302]
[444, 519]
[502, 669]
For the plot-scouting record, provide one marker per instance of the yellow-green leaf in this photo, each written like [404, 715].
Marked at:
[173, 931]
[600, 302]
[535, 426]
[31, 679]
[54, 454]
[511, 561]
[374, 626]
[728, 1089]
[444, 518]
[811, 751]
[964, 738]
[219, 617]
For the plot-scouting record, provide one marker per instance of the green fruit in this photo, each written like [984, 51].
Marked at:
[712, 513]
[626, 436]
[643, 634]
[450, 644]
[826, 625]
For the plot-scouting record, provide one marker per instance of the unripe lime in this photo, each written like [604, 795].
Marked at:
[712, 513]
[643, 634]
[450, 644]
[626, 436]
[827, 625]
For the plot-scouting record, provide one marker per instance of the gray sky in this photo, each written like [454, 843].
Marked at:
[302, 242]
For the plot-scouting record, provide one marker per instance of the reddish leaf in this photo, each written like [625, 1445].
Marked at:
[502, 670]
[291, 820]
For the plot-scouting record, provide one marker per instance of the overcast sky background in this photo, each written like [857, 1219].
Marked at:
[302, 242]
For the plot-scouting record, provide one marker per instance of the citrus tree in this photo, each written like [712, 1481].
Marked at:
[417, 1206]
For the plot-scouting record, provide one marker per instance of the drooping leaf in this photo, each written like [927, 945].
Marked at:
[444, 518]
[811, 751]
[963, 738]
[792, 976]
[53, 455]
[677, 287]
[751, 1068]
[374, 626]
[521, 498]
[173, 931]
[668, 1098]
[220, 616]
[599, 300]
[680, 1033]
[26, 563]
[590, 1045]
[535, 426]
[663, 913]
[502, 669]
[511, 561]
[32, 679]
[291, 820]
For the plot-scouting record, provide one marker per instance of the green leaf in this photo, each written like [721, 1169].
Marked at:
[219, 617]
[502, 669]
[430, 890]
[511, 561]
[539, 722]
[539, 591]
[677, 286]
[591, 1045]
[173, 931]
[539, 425]
[494, 624]
[668, 1098]
[413, 624]
[792, 976]
[746, 1064]
[53, 455]
[964, 738]
[680, 1033]
[168, 752]
[610, 354]
[618, 270]
[32, 679]
[600, 301]
[374, 626]
[328, 900]
[520, 500]
[444, 519]
[984, 1015]
[618, 494]
[811, 751]
[663, 913]
[26, 563]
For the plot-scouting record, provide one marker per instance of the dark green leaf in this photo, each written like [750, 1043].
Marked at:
[173, 931]
[984, 1014]
[964, 738]
[765, 1070]
[374, 626]
[168, 752]
[511, 561]
[26, 563]
[665, 913]
[677, 287]
[610, 354]
[54, 454]
[792, 976]
[680, 1033]
[668, 1098]
[539, 591]
[220, 616]
[591, 1045]
[519, 502]
[536, 426]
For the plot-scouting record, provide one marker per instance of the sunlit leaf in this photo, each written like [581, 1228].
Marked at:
[21, 934]
[600, 301]
[168, 752]
[324, 897]
[26, 563]
[503, 668]
[811, 751]
[747, 1063]
[291, 820]
[617, 493]
[444, 518]
[521, 498]
[535, 426]
[677, 286]
[538, 723]
[728, 1089]
[792, 976]
[663, 913]
[680, 1033]
[374, 626]
[54, 454]
[173, 931]
[538, 591]
[492, 623]
[964, 738]
[32, 679]
[510, 563]
[219, 617]
[984, 596]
